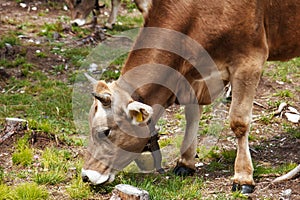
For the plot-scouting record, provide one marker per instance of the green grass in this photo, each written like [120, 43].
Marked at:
[130, 5]
[49, 28]
[80, 32]
[45, 103]
[78, 189]
[238, 195]
[41, 55]
[75, 55]
[53, 159]
[167, 186]
[1, 174]
[294, 131]
[284, 94]
[283, 71]
[18, 61]
[5, 192]
[23, 155]
[9, 39]
[260, 170]
[49, 177]
[266, 119]
[29, 191]
[125, 23]
[54, 166]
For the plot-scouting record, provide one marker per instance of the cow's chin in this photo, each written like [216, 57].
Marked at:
[97, 178]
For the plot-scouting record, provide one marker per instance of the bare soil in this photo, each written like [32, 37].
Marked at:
[273, 145]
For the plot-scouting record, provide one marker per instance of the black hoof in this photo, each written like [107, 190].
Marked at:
[247, 189]
[161, 171]
[183, 171]
[85, 179]
[244, 189]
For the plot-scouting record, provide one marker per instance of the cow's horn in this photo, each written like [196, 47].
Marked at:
[90, 79]
[104, 98]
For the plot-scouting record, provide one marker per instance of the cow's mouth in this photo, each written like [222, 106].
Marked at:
[78, 22]
[95, 177]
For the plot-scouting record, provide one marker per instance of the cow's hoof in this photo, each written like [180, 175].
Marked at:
[161, 171]
[244, 189]
[109, 26]
[183, 171]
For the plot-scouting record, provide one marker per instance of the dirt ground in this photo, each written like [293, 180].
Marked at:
[276, 145]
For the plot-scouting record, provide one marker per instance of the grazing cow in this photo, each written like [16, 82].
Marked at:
[186, 52]
[80, 9]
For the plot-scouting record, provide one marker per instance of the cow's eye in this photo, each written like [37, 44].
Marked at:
[103, 134]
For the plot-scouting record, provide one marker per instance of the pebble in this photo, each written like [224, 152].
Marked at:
[285, 194]
[23, 5]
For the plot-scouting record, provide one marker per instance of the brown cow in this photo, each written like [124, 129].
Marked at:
[168, 65]
[80, 9]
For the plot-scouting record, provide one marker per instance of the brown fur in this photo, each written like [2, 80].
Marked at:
[101, 87]
[239, 35]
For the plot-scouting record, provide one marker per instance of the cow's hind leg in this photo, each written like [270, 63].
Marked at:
[186, 164]
[244, 79]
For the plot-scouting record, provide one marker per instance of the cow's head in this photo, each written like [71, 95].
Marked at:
[118, 132]
[80, 9]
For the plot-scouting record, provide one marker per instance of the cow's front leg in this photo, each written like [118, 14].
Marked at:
[186, 164]
[115, 4]
[244, 80]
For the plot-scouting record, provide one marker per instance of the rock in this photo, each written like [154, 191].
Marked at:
[129, 192]
[56, 35]
[13, 125]
[295, 118]
[23, 5]
[285, 194]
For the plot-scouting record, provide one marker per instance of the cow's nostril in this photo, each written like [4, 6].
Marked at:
[85, 179]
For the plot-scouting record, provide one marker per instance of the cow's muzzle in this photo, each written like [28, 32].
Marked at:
[78, 22]
[95, 177]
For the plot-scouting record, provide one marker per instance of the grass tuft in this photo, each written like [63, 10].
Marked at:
[9, 39]
[30, 191]
[78, 189]
[169, 185]
[49, 177]
[5, 192]
[260, 170]
[24, 154]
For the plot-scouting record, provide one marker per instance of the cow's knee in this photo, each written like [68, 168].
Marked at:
[239, 126]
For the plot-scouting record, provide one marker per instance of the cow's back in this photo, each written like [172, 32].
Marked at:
[234, 25]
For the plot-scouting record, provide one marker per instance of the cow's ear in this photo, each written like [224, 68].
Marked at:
[139, 113]
[104, 98]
